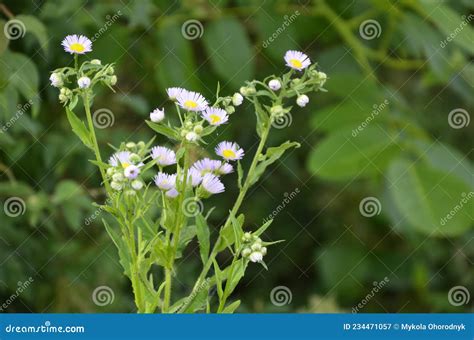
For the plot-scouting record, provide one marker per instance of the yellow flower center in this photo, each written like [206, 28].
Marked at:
[215, 119]
[190, 104]
[296, 63]
[76, 47]
[228, 153]
[125, 165]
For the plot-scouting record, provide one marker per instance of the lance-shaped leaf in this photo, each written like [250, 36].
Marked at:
[79, 128]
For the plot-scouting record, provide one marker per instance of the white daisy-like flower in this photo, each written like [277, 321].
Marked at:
[56, 79]
[215, 116]
[157, 115]
[165, 181]
[131, 171]
[163, 156]
[77, 44]
[212, 184]
[121, 158]
[191, 101]
[274, 84]
[194, 177]
[206, 165]
[172, 193]
[302, 100]
[229, 151]
[84, 82]
[297, 60]
[174, 92]
[225, 169]
[237, 99]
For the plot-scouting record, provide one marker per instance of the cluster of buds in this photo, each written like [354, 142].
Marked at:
[253, 248]
[71, 81]
[125, 167]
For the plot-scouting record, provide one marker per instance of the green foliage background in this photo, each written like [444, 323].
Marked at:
[408, 156]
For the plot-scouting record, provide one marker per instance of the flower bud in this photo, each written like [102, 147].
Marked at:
[322, 77]
[246, 252]
[130, 192]
[263, 251]
[230, 109]
[198, 129]
[191, 136]
[237, 99]
[256, 256]
[96, 62]
[277, 110]
[134, 158]
[63, 98]
[117, 177]
[84, 82]
[113, 80]
[130, 145]
[157, 115]
[116, 185]
[110, 171]
[302, 100]
[247, 237]
[256, 246]
[56, 79]
[141, 145]
[137, 184]
[111, 70]
[274, 84]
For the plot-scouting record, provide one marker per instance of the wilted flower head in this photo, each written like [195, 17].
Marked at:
[229, 151]
[191, 101]
[215, 116]
[163, 156]
[77, 44]
[157, 115]
[212, 184]
[297, 60]
[165, 181]
[194, 177]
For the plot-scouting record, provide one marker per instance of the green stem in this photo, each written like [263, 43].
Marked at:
[179, 221]
[235, 209]
[95, 145]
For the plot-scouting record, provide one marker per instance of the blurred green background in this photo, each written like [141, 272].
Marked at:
[392, 130]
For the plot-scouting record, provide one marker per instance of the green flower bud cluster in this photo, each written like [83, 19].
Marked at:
[253, 248]
[72, 82]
